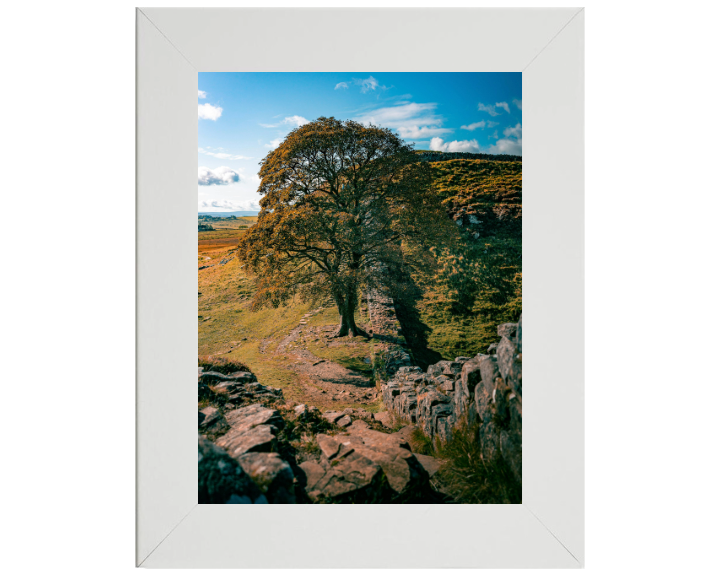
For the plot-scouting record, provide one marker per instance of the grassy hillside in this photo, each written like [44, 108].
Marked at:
[479, 283]
[272, 340]
[490, 190]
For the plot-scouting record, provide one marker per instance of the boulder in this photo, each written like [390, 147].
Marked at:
[272, 475]
[489, 372]
[510, 364]
[405, 433]
[345, 478]
[332, 416]
[365, 449]
[245, 418]
[221, 480]
[430, 465]
[344, 421]
[313, 474]
[257, 439]
[384, 418]
[211, 421]
[357, 425]
[507, 330]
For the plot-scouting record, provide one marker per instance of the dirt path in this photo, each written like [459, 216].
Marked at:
[323, 381]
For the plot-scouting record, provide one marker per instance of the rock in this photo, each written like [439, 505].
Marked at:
[465, 409]
[247, 417]
[404, 370]
[492, 349]
[507, 330]
[489, 372]
[211, 421]
[301, 411]
[271, 474]
[518, 336]
[221, 480]
[433, 407]
[510, 364]
[384, 418]
[357, 425]
[405, 433]
[348, 476]
[313, 474]
[362, 452]
[212, 377]
[258, 439]
[344, 422]
[445, 367]
[332, 416]
[392, 454]
[445, 383]
[430, 464]
[462, 359]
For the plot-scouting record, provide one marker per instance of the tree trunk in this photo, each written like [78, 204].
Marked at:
[346, 307]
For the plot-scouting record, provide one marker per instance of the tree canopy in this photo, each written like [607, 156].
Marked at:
[343, 205]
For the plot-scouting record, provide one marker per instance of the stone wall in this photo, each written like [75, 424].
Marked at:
[385, 327]
[484, 391]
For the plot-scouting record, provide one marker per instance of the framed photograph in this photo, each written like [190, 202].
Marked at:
[377, 243]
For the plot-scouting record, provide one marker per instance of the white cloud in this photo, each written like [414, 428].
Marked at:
[223, 155]
[274, 143]
[492, 109]
[221, 176]
[296, 121]
[421, 132]
[482, 125]
[400, 115]
[343, 85]
[518, 103]
[475, 125]
[412, 120]
[202, 94]
[511, 144]
[455, 146]
[227, 206]
[514, 131]
[366, 84]
[209, 112]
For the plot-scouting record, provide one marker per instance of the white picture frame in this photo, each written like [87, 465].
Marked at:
[547, 529]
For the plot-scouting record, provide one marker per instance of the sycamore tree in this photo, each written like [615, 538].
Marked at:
[344, 207]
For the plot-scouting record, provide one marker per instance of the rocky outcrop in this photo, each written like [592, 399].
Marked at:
[483, 392]
[221, 479]
[271, 474]
[250, 442]
[361, 465]
[237, 388]
[267, 452]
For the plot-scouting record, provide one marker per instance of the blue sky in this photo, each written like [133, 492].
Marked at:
[243, 116]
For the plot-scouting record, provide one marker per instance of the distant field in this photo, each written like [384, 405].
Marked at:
[226, 233]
